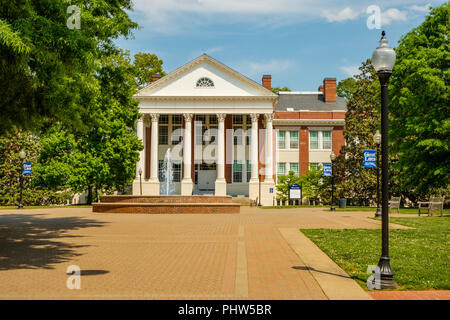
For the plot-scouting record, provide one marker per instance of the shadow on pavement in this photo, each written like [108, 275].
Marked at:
[30, 241]
[312, 269]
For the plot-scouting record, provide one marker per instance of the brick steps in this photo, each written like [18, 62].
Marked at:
[166, 204]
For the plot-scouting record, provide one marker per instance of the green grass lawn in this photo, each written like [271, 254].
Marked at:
[355, 208]
[419, 257]
[45, 207]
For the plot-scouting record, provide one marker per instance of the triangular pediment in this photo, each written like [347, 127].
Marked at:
[183, 82]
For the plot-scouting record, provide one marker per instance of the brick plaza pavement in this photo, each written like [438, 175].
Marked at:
[256, 254]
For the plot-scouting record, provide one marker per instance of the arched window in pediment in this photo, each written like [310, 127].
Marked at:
[205, 83]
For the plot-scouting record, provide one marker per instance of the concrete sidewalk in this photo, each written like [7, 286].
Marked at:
[258, 254]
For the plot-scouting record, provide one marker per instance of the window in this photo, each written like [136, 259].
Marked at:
[326, 139]
[237, 135]
[163, 135]
[237, 171]
[293, 141]
[281, 168]
[293, 166]
[237, 119]
[176, 170]
[314, 165]
[204, 83]
[164, 119]
[177, 119]
[320, 140]
[249, 170]
[281, 139]
[314, 140]
[176, 134]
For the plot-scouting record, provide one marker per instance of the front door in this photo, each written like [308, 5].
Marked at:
[206, 178]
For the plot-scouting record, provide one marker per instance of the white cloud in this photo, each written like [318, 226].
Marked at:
[424, 8]
[255, 69]
[343, 15]
[350, 70]
[391, 15]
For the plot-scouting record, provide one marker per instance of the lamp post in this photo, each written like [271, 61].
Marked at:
[383, 60]
[332, 158]
[140, 179]
[22, 156]
[377, 140]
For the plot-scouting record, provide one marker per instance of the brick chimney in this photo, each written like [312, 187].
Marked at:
[329, 89]
[267, 81]
[320, 89]
[156, 77]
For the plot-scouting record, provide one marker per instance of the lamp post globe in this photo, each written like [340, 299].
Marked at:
[383, 60]
[332, 158]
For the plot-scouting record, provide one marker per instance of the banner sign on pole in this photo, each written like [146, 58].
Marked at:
[295, 192]
[27, 168]
[370, 158]
[327, 170]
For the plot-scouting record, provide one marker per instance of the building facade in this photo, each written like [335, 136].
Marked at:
[217, 132]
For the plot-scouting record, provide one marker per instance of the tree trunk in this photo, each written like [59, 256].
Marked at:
[89, 197]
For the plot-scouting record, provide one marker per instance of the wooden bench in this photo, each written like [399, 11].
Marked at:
[435, 203]
[394, 203]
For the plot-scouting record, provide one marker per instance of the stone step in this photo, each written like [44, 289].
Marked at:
[165, 199]
[166, 208]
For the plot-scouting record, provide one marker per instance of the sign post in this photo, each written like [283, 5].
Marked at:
[327, 170]
[370, 158]
[295, 192]
[27, 169]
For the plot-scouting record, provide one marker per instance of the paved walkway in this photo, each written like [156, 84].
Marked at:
[257, 254]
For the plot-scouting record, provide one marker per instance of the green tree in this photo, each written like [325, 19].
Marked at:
[47, 69]
[419, 106]
[315, 185]
[346, 88]
[278, 89]
[284, 182]
[361, 122]
[104, 157]
[147, 65]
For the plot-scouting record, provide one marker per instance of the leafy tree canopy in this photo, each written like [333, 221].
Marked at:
[147, 65]
[420, 106]
[278, 89]
[346, 88]
[46, 69]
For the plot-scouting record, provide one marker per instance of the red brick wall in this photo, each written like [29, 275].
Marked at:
[309, 115]
[304, 150]
[148, 137]
[338, 139]
[228, 166]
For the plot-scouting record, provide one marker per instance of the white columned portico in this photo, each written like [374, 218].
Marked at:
[153, 183]
[140, 165]
[221, 184]
[186, 183]
[253, 188]
[268, 186]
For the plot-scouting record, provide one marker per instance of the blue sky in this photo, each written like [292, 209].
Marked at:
[298, 42]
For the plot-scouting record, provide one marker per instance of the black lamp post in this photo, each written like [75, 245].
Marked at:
[377, 140]
[140, 179]
[22, 156]
[383, 60]
[332, 158]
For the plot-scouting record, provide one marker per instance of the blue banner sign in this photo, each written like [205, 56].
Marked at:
[295, 191]
[370, 158]
[327, 171]
[27, 168]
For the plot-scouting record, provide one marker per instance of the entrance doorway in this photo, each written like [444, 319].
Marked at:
[205, 178]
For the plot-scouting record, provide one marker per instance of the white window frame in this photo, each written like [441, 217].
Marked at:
[319, 140]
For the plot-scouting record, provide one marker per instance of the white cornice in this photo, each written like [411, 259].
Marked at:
[206, 98]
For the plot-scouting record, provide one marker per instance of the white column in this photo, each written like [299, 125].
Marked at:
[186, 183]
[221, 147]
[154, 149]
[187, 150]
[221, 184]
[140, 134]
[254, 147]
[269, 148]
